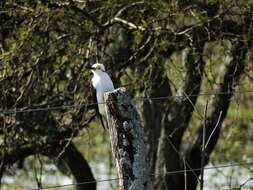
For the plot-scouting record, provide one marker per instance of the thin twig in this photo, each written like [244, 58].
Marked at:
[65, 147]
[203, 148]
[182, 157]
[241, 186]
[129, 24]
[113, 20]
[217, 124]
[38, 178]
[89, 48]
[194, 107]
[185, 175]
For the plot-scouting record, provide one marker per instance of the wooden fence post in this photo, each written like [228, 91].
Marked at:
[127, 140]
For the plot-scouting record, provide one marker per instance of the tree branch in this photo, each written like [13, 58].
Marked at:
[178, 117]
[218, 110]
[76, 165]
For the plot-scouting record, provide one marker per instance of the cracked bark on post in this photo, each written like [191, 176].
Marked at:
[127, 139]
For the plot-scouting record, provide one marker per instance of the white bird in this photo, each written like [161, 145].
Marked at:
[102, 83]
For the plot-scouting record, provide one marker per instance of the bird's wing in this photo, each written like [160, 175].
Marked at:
[108, 85]
[94, 100]
[93, 94]
[103, 121]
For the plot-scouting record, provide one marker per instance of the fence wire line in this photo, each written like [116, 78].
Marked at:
[155, 174]
[74, 184]
[20, 110]
[137, 99]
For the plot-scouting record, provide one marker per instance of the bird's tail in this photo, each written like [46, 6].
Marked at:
[104, 122]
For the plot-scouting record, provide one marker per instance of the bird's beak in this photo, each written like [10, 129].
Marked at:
[88, 67]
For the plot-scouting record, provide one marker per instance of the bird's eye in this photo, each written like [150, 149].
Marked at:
[98, 68]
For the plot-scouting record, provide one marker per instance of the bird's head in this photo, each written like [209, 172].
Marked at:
[96, 67]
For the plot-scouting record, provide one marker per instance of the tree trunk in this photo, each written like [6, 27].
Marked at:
[177, 119]
[151, 111]
[78, 167]
[229, 78]
[169, 161]
[127, 139]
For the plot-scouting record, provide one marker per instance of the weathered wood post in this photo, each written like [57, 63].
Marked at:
[127, 140]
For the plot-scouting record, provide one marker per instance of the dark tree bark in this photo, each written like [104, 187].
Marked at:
[78, 167]
[76, 164]
[152, 111]
[127, 140]
[9, 158]
[175, 123]
[229, 78]
[230, 75]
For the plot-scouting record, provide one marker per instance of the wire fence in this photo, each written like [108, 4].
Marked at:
[73, 106]
[155, 174]
[193, 170]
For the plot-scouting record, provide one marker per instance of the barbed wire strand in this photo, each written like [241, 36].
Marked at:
[182, 157]
[22, 110]
[74, 184]
[137, 99]
[155, 174]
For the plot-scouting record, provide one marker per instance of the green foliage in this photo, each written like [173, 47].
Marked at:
[44, 46]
